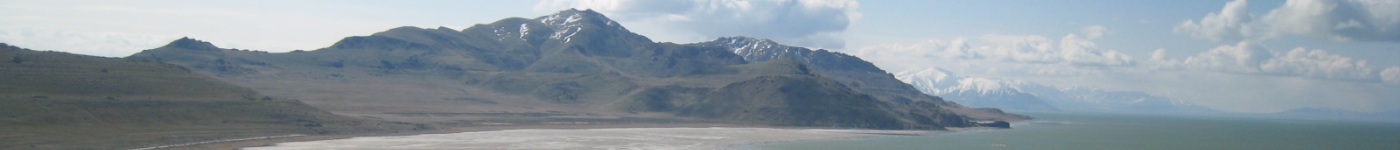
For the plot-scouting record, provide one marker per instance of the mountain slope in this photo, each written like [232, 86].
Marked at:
[573, 66]
[854, 72]
[55, 100]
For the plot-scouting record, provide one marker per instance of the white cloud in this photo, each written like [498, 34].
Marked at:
[1320, 64]
[808, 23]
[1158, 60]
[1094, 31]
[1391, 75]
[1347, 20]
[1242, 77]
[1246, 57]
[1083, 51]
[1159, 55]
[1019, 48]
[1364, 20]
[1070, 50]
[930, 49]
[1228, 24]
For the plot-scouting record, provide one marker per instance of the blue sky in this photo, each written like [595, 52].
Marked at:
[1242, 56]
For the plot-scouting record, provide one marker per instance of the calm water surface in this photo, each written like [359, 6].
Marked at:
[1114, 132]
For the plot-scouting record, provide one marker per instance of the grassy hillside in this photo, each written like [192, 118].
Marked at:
[55, 100]
[853, 72]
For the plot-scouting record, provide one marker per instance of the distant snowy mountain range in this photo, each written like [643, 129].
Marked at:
[974, 92]
[1027, 96]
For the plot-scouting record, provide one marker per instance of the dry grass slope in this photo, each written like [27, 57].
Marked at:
[55, 100]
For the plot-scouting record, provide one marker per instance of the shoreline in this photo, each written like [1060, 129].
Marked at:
[860, 136]
[241, 144]
[634, 136]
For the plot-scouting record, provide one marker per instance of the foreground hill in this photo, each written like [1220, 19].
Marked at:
[572, 67]
[55, 100]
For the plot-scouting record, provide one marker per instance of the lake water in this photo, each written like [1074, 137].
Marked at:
[1116, 132]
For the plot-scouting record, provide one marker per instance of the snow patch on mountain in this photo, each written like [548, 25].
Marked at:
[568, 23]
[524, 30]
[755, 49]
[500, 32]
[565, 27]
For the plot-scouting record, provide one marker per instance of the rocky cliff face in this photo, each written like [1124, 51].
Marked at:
[572, 66]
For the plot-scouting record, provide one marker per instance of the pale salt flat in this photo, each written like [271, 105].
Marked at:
[617, 138]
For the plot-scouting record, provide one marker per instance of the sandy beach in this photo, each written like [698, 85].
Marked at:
[611, 138]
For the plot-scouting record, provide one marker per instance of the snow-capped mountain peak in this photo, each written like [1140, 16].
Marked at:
[934, 80]
[983, 85]
[973, 91]
[754, 49]
[568, 23]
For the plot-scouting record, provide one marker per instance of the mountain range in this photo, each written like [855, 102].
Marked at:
[1028, 96]
[974, 92]
[568, 68]
[576, 67]
[56, 100]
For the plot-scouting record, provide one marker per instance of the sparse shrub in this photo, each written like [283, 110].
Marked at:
[338, 64]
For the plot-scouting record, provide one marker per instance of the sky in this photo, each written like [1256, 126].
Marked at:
[1231, 55]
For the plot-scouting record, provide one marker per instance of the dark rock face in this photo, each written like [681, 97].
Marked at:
[577, 63]
[996, 124]
[191, 44]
